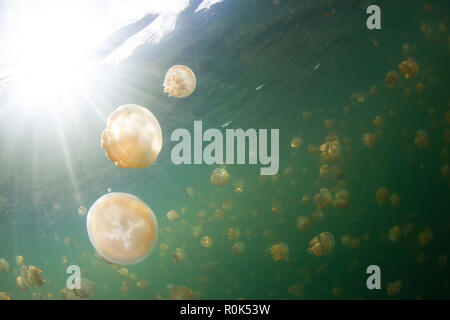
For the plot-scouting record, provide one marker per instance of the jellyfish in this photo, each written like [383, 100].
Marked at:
[181, 293]
[179, 81]
[409, 68]
[296, 142]
[425, 237]
[206, 242]
[4, 296]
[35, 276]
[190, 192]
[220, 177]
[21, 284]
[197, 231]
[306, 115]
[4, 265]
[346, 240]
[238, 248]
[378, 121]
[234, 234]
[442, 260]
[324, 170]
[395, 233]
[122, 228]
[317, 215]
[303, 223]
[133, 276]
[219, 214]
[394, 288]
[331, 150]
[172, 215]
[341, 199]
[421, 140]
[67, 241]
[82, 211]
[132, 138]
[279, 251]
[143, 284]
[306, 198]
[296, 289]
[323, 198]
[369, 139]
[67, 294]
[394, 199]
[337, 291]
[392, 79]
[382, 195]
[238, 187]
[123, 272]
[178, 255]
[328, 123]
[86, 289]
[322, 245]
[4, 204]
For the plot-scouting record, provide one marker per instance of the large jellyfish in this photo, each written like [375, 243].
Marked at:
[133, 137]
[122, 228]
[322, 244]
[179, 81]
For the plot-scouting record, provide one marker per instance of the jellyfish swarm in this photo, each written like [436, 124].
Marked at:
[132, 138]
[179, 81]
[322, 244]
[122, 228]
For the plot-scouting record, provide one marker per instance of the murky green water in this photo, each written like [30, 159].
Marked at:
[315, 56]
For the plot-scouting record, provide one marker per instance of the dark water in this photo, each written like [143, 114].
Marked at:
[309, 56]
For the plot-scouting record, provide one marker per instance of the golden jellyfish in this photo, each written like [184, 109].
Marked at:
[445, 171]
[313, 149]
[421, 140]
[373, 90]
[394, 288]
[279, 251]
[337, 291]
[172, 215]
[324, 170]
[369, 139]
[395, 200]
[86, 290]
[238, 187]
[122, 228]
[219, 214]
[178, 255]
[181, 293]
[132, 138]
[395, 233]
[425, 237]
[323, 198]
[382, 195]
[409, 68]
[238, 248]
[296, 290]
[317, 215]
[4, 265]
[190, 192]
[306, 198]
[322, 245]
[346, 240]
[341, 199]
[143, 284]
[296, 142]
[206, 242]
[4, 296]
[331, 150]
[133, 276]
[306, 115]
[35, 276]
[68, 241]
[20, 282]
[442, 260]
[234, 234]
[179, 81]
[123, 272]
[303, 223]
[220, 177]
[82, 211]
[197, 231]
[67, 294]
[328, 123]
[392, 79]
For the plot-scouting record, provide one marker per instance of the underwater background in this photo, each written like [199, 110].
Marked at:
[309, 68]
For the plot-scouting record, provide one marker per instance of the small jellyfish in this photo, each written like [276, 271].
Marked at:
[317, 215]
[296, 290]
[220, 177]
[133, 276]
[323, 198]
[394, 288]
[68, 241]
[234, 234]
[296, 142]
[324, 170]
[395, 233]
[172, 215]
[392, 79]
[143, 284]
[181, 293]
[279, 251]
[322, 245]
[179, 81]
[369, 139]
[328, 123]
[190, 192]
[394, 199]
[425, 237]
[442, 260]
[206, 242]
[4, 296]
[306, 115]
[219, 214]
[132, 138]
[409, 68]
[341, 199]
[4, 204]
[331, 150]
[303, 223]
[21, 284]
[337, 291]
[378, 121]
[123, 272]
[82, 211]
[382, 195]
[346, 240]
[178, 255]
[87, 289]
[422, 140]
[4, 265]
[35, 276]
[122, 228]
[197, 231]
[306, 198]
[238, 248]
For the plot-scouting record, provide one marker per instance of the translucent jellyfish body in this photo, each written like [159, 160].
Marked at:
[392, 79]
[341, 199]
[4, 265]
[422, 140]
[394, 288]
[296, 142]
[181, 293]
[409, 68]
[322, 245]
[86, 289]
[331, 150]
[303, 223]
[382, 195]
[323, 198]
[220, 177]
[279, 251]
[238, 248]
[206, 242]
[179, 81]
[122, 228]
[395, 233]
[172, 215]
[132, 138]
[143, 284]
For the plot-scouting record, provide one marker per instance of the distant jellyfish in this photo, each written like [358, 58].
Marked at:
[395, 233]
[346, 240]
[392, 79]
[394, 199]
[234, 234]
[86, 290]
[4, 265]
[68, 241]
[181, 293]
[197, 231]
[425, 237]
[369, 139]
[306, 198]
[190, 192]
[422, 140]
[179, 81]
[172, 215]
[122, 228]
[206, 242]
[378, 121]
[323, 198]
[220, 177]
[82, 211]
[4, 296]
[382, 195]
[238, 248]
[409, 68]
[21, 284]
[322, 245]
[317, 215]
[331, 150]
[337, 291]
[123, 272]
[303, 223]
[219, 214]
[296, 289]
[178, 255]
[132, 138]
[279, 251]
[296, 142]
[306, 115]
[133, 276]
[143, 284]
[341, 199]
[394, 288]
[328, 123]
[67, 294]
[4, 204]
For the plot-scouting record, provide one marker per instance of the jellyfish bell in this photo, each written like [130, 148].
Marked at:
[122, 228]
[179, 81]
[86, 289]
[181, 293]
[4, 265]
[322, 245]
[132, 138]
[220, 177]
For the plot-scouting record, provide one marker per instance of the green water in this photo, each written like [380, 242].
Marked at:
[307, 59]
